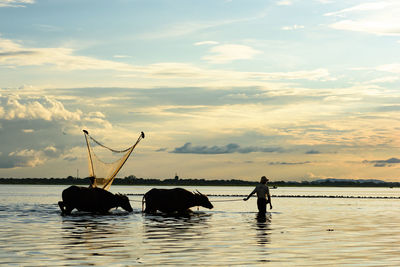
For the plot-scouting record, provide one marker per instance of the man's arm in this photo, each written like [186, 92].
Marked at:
[246, 198]
[269, 198]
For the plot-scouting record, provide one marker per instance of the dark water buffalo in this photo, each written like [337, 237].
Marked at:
[173, 200]
[92, 199]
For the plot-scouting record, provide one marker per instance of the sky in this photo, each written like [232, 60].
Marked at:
[223, 89]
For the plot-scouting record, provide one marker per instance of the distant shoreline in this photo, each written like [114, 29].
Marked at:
[201, 182]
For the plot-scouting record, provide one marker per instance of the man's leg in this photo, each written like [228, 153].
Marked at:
[262, 205]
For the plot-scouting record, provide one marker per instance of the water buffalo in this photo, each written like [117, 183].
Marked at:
[92, 199]
[173, 200]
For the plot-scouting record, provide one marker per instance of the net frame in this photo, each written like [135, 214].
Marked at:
[105, 182]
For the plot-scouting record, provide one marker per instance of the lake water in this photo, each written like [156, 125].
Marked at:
[297, 231]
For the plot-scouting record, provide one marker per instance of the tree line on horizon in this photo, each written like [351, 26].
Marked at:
[133, 180]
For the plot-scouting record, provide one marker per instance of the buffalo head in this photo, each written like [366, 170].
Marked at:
[202, 200]
[123, 202]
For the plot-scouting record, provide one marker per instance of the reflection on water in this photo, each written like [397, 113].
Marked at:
[262, 226]
[93, 237]
[175, 228]
[298, 232]
[176, 238]
[90, 232]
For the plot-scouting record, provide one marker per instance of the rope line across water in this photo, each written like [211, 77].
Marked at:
[292, 196]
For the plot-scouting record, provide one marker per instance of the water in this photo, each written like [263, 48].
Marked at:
[297, 231]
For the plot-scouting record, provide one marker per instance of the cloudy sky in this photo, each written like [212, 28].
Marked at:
[223, 89]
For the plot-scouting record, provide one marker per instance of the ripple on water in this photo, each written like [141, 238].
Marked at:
[297, 232]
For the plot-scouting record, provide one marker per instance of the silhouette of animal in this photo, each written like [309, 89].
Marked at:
[173, 200]
[95, 200]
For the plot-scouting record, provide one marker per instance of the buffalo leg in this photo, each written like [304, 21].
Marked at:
[150, 208]
[64, 209]
[61, 205]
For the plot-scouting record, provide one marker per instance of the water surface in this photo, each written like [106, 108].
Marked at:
[297, 231]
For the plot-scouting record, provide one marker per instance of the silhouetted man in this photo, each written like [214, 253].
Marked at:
[263, 196]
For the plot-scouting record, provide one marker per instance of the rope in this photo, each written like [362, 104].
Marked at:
[135, 200]
[112, 150]
[227, 200]
[292, 196]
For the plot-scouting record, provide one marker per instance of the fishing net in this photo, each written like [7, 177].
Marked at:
[105, 162]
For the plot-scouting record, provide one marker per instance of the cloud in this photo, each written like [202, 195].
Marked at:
[26, 158]
[97, 114]
[372, 6]
[69, 158]
[387, 79]
[227, 149]
[389, 108]
[206, 43]
[313, 152]
[383, 163]
[40, 129]
[325, 1]
[284, 3]
[293, 27]
[29, 157]
[289, 163]
[13, 54]
[47, 28]
[378, 28]
[121, 56]
[42, 108]
[51, 151]
[181, 29]
[230, 52]
[15, 3]
[380, 18]
[190, 27]
[392, 68]
[188, 75]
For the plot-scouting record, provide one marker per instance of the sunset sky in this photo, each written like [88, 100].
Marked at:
[223, 89]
